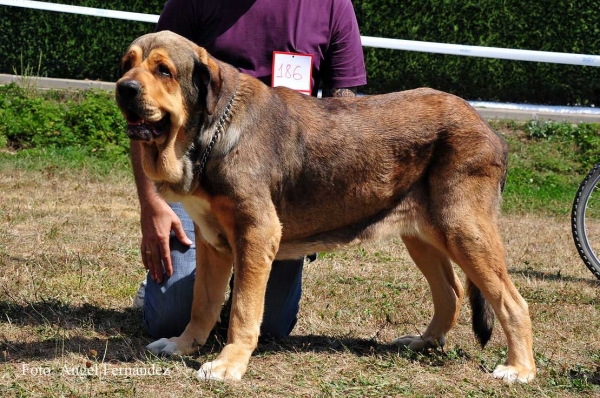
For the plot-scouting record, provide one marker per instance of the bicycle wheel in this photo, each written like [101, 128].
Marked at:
[585, 220]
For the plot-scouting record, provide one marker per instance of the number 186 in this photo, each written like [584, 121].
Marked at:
[288, 72]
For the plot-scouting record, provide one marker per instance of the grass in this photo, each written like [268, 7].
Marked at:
[547, 161]
[67, 161]
[69, 235]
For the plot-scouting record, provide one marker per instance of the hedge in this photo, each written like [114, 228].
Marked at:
[570, 26]
[71, 46]
[80, 47]
[89, 120]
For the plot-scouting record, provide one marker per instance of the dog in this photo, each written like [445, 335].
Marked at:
[269, 173]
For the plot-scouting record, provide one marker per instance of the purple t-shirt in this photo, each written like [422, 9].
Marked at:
[244, 33]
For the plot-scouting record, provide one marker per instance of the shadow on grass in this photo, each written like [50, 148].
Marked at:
[51, 329]
[547, 276]
[358, 347]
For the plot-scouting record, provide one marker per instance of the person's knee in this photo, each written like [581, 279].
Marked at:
[282, 299]
[278, 328]
[167, 307]
[165, 323]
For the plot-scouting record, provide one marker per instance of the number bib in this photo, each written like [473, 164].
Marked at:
[292, 70]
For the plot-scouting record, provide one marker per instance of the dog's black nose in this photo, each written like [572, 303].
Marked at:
[128, 89]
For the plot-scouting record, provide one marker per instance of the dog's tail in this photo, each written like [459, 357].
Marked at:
[483, 315]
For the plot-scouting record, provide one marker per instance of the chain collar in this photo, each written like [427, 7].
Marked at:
[201, 165]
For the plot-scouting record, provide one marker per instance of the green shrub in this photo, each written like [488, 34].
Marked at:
[585, 137]
[88, 119]
[98, 122]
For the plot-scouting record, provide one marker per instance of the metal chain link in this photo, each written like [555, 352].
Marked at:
[200, 168]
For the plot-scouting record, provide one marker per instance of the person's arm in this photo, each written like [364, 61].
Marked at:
[157, 219]
[344, 60]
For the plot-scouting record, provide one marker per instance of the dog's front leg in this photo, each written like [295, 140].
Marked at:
[213, 271]
[257, 242]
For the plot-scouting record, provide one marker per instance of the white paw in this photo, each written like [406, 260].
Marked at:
[416, 342]
[163, 347]
[511, 374]
[217, 370]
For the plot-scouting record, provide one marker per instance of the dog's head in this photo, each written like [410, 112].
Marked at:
[167, 86]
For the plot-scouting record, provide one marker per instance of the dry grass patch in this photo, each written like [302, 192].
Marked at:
[69, 262]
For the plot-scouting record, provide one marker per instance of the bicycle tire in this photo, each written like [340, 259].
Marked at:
[578, 224]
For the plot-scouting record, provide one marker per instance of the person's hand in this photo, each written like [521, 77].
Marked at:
[157, 220]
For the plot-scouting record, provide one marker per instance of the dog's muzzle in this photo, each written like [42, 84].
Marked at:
[129, 99]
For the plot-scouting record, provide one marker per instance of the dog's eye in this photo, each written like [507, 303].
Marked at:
[125, 67]
[164, 70]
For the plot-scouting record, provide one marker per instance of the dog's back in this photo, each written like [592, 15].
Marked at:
[362, 168]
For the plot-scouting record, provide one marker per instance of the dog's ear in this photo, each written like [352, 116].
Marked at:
[207, 80]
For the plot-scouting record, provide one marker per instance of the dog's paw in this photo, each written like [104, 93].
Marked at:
[219, 370]
[512, 374]
[415, 342]
[164, 347]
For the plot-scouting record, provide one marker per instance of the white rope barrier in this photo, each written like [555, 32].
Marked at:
[485, 52]
[96, 12]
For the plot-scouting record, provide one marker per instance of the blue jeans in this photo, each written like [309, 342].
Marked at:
[168, 306]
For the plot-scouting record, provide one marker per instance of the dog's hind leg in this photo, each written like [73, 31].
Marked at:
[475, 245]
[446, 290]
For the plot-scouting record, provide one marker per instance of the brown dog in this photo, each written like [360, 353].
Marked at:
[273, 174]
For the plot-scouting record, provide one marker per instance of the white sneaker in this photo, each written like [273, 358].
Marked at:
[138, 299]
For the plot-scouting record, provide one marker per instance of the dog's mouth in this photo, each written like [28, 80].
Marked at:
[144, 130]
